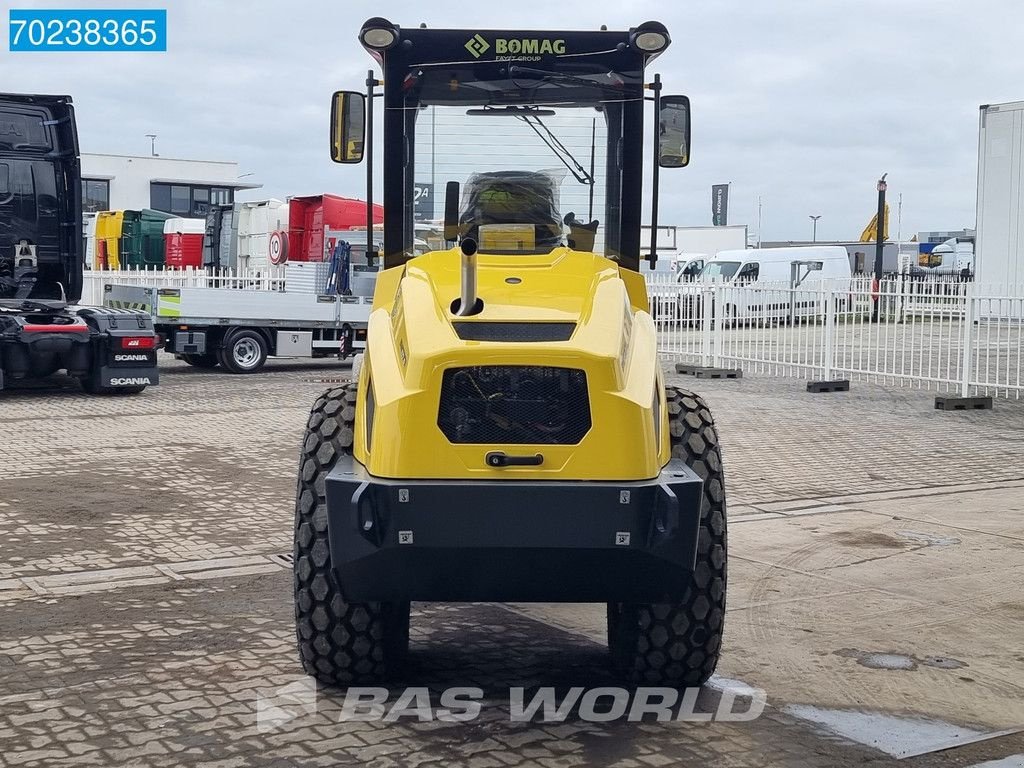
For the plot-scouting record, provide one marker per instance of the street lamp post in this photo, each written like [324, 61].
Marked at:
[814, 227]
[879, 246]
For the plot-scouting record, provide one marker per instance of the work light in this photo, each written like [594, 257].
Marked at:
[651, 37]
[379, 34]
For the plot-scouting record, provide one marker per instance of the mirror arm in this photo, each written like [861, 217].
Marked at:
[656, 87]
[371, 84]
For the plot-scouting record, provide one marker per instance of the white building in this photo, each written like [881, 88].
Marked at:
[183, 187]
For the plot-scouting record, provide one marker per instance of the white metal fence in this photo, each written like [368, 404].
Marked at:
[944, 335]
[940, 334]
[267, 279]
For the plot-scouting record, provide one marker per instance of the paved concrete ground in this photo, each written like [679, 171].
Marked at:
[877, 556]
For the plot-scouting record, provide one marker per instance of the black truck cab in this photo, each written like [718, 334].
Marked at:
[41, 261]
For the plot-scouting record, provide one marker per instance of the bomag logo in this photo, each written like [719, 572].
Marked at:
[477, 46]
[528, 47]
[129, 382]
[525, 46]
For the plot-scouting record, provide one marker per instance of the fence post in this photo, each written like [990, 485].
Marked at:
[967, 351]
[707, 309]
[718, 310]
[828, 362]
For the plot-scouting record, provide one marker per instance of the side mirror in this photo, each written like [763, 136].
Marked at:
[348, 126]
[674, 132]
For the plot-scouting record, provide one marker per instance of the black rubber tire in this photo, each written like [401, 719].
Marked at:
[679, 643]
[208, 360]
[340, 642]
[226, 357]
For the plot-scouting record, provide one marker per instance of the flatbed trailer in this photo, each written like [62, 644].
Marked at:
[238, 327]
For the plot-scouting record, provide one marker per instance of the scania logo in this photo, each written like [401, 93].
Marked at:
[477, 46]
[129, 382]
[130, 358]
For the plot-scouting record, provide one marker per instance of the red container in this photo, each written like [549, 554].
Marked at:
[307, 217]
[183, 243]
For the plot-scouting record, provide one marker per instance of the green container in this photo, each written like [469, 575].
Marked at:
[142, 239]
[130, 245]
[153, 236]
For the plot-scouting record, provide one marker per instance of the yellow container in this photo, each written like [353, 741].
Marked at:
[108, 239]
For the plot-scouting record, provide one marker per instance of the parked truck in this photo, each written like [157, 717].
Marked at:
[41, 262]
[236, 324]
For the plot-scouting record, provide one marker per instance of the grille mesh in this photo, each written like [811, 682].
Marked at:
[514, 405]
[522, 332]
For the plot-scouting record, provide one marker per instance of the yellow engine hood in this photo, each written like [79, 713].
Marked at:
[412, 341]
[557, 286]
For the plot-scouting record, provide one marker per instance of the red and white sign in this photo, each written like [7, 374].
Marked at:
[278, 247]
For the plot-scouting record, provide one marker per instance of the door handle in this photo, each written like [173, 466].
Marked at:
[501, 459]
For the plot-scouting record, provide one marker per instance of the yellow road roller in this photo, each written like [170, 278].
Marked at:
[509, 435]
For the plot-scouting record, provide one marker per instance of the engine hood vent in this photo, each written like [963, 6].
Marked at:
[513, 332]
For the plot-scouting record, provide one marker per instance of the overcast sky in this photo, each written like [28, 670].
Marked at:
[803, 103]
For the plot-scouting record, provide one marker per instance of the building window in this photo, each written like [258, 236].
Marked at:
[188, 199]
[95, 195]
[160, 197]
[200, 201]
[180, 200]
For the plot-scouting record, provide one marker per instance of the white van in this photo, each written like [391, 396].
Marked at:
[765, 283]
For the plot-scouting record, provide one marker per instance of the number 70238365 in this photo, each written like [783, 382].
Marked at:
[41, 29]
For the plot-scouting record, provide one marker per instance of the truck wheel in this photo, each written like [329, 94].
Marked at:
[209, 360]
[340, 642]
[244, 351]
[679, 643]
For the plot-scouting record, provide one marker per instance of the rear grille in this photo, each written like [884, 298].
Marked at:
[514, 405]
[522, 332]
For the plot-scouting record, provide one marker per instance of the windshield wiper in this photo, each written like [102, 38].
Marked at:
[561, 152]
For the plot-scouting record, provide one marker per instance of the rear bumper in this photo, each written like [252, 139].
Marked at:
[85, 341]
[513, 540]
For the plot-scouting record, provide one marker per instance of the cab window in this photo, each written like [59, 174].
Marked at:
[748, 272]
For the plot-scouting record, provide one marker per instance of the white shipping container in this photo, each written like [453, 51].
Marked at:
[256, 221]
[999, 248]
[686, 240]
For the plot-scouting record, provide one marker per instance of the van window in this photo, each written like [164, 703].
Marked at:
[693, 268]
[749, 272]
[719, 270]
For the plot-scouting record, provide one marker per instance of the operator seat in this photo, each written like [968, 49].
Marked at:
[512, 197]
